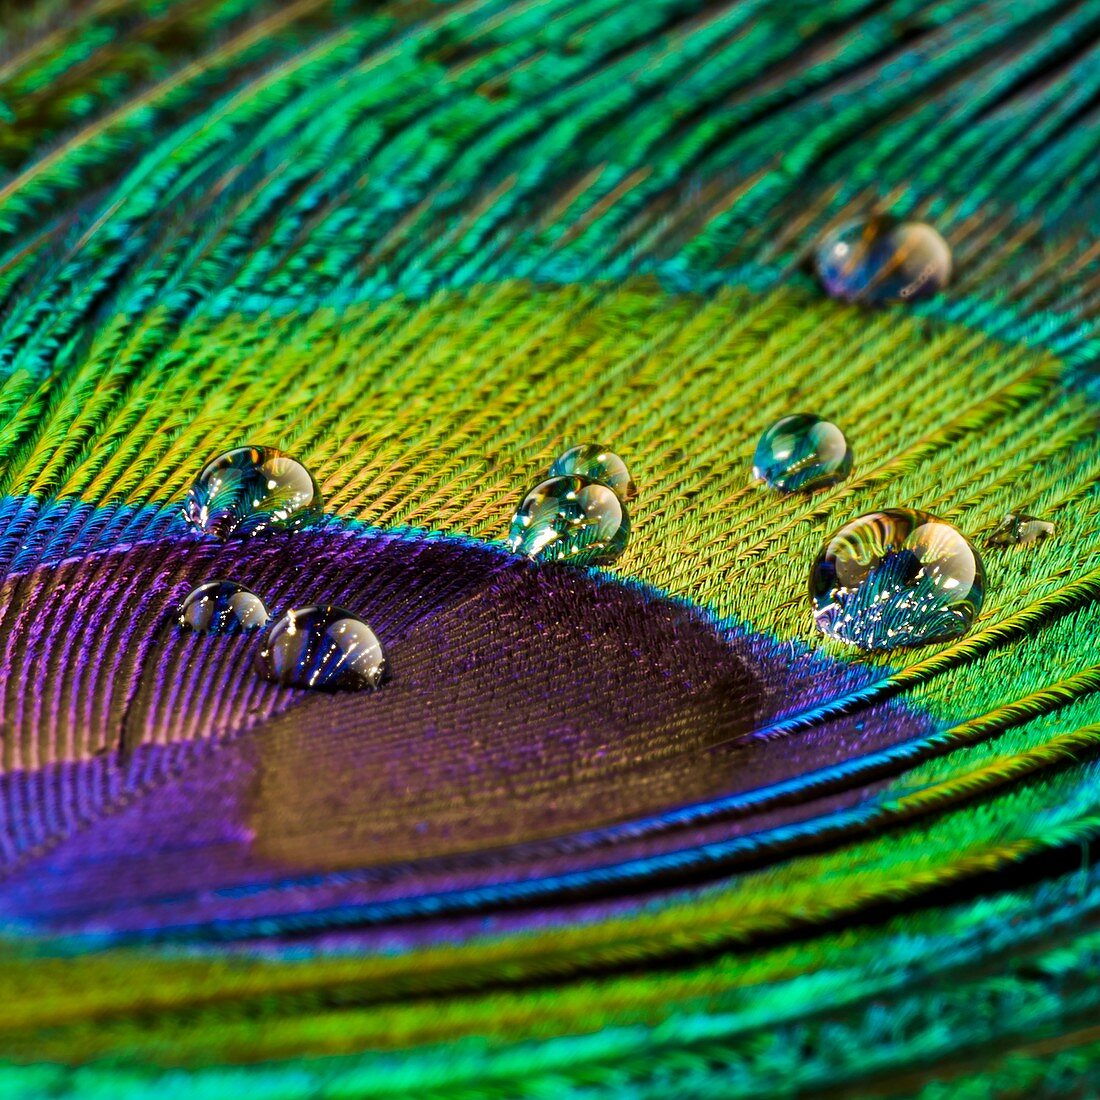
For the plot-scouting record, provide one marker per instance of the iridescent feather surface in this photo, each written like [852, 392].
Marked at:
[638, 828]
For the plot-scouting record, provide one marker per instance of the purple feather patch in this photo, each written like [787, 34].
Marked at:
[537, 720]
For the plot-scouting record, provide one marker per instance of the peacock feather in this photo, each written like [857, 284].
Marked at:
[632, 830]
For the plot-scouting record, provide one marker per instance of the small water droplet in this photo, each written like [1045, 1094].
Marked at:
[252, 491]
[898, 577]
[222, 607]
[802, 452]
[597, 463]
[1020, 529]
[570, 519]
[322, 647]
[881, 260]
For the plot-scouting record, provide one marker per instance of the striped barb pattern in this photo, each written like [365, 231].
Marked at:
[634, 830]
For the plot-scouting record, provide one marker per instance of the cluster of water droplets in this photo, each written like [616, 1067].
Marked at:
[252, 492]
[891, 578]
[894, 577]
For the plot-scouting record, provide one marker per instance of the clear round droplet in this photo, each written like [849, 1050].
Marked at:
[802, 452]
[880, 260]
[222, 607]
[252, 491]
[570, 519]
[1020, 529]
[322, 647]
[896, 578]
[596, 463]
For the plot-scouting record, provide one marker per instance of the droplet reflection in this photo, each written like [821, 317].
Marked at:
[896, 578]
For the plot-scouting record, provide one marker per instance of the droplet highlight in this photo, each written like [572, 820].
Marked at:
[252, 491]
[895, 578]
[1020, 529]
[802, 452]
[881, 260]
[222, 607]
[570, 519]
[322, 647]
[596, 463]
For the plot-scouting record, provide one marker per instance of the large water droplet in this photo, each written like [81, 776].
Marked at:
[252, 491]
[596, 463]
[222, 607]
[881, 260]
[322, 647]
[896, 578]
[802, 452]
[1020, 529]
[570, 519]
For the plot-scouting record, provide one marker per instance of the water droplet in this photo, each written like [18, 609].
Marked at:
[896, 578]
[1020, 529]
[222, 607]
[322, 647]
[570, 519]
[881, 260]
[802, 452]
[252, 491]
[597, 463]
